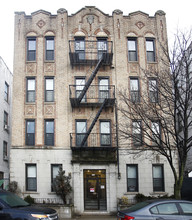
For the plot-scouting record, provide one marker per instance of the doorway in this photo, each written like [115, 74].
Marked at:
[95, 190]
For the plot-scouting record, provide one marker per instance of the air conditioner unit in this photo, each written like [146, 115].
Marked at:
[5, 157]
[6, 127]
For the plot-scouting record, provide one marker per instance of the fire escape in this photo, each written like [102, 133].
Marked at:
[89, 146]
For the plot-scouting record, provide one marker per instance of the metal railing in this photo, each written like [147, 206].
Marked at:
[90, 52]
[95, 94]
[107, 140]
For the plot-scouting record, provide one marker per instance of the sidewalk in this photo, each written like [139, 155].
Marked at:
[93, 217]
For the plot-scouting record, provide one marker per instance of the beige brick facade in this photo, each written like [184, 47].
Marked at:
[92, 25]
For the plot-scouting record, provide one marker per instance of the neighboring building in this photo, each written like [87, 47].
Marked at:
[6, 78]
[67, 71]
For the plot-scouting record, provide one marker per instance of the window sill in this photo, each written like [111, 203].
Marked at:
[158, 193]
[30, 103]
[49, 103]
[150, 62]
[31, 192]
[49, 61]
[32, 61]
[131, 193]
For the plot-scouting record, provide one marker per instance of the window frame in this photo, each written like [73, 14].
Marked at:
[105, 134]
[151, 54]
[136, 98]
[6, 92]
[28, 178]
[136, 142]
[130, 51]
[30, 90]
[153, 90]
[136, 179]
[52, 91]
[154, 132]
[102, 42]
[79, 50]
[52, 177]
[6, 119]
[27, 141]
[52, 134]
[31, 54]
[49, 52]
[5, 149]
[78, 92]
[161, 179]
[105, 91]
[82, 134]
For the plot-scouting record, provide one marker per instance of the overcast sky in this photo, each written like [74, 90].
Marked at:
[178, 15]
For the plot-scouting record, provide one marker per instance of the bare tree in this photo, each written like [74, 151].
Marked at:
[159, 119]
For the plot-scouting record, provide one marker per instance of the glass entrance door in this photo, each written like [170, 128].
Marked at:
[95, 190]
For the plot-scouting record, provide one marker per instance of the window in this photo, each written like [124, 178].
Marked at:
[81, 128]
[49, 89]
[134, 90]
[101, 47]
[5, 120]
[186, 207]
[6, 92]
[31, 49]
[150, 49]
[105, 132]
[80, 48]
[30, 90]
[49, 54]
[30, 132]
[165, 209]
[153, 90]
[137, 133]
[1, 180]
[49, 132]
[132, 178]
[158, 178]
[132, 49]
[5, 151]
[80, 83]
[156, 135]
[31, 177]
[103, 89]
[54, 173]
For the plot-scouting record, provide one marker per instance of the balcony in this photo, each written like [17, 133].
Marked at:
[98, 148]
[89, 52]
[94, 96]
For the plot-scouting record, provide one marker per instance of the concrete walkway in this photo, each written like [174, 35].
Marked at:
[93, 217]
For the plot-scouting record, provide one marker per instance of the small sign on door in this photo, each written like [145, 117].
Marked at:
[92, 190]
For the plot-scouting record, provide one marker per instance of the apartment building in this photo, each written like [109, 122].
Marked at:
[6, 78]
[68, 70]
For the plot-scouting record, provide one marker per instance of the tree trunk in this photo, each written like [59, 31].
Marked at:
[177, 188]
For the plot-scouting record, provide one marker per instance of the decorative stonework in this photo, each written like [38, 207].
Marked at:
[49, 67]
[140, 24]
[133, 68]
[30, 110]
[40, 23]
[49, 110]
[31, 68]
[90, 19]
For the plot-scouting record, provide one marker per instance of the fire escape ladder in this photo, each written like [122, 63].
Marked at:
[89, 81]
[93, 122]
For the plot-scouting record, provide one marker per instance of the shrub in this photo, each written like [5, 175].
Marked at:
[62, 185]
[29, 199]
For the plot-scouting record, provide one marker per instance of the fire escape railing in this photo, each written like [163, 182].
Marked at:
[94, 96]
[103, 58]
[90, 53]
[89, 81]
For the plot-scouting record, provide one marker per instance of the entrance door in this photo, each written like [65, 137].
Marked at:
[95, 190]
